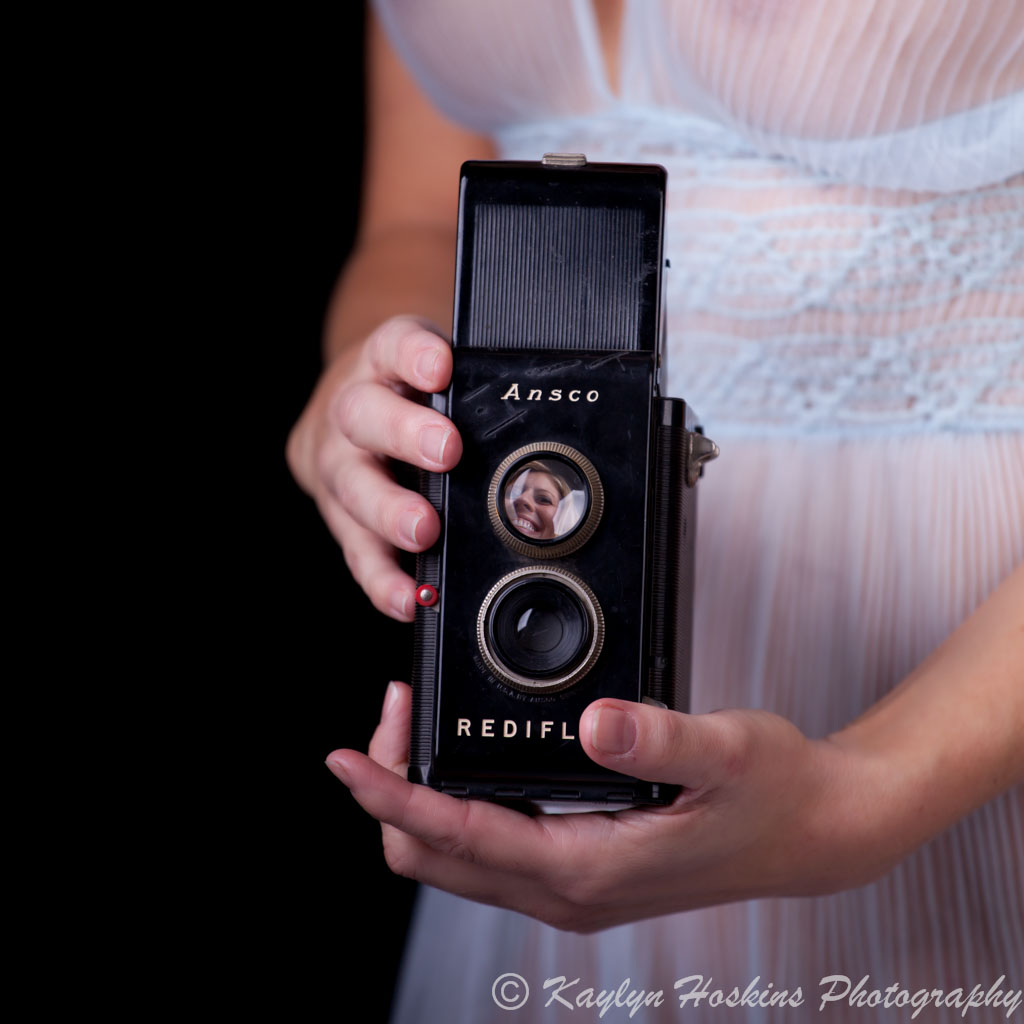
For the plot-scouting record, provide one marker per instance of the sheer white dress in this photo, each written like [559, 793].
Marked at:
[846, 312]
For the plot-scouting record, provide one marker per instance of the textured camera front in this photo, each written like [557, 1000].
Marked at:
[485, 720]
[556, 277]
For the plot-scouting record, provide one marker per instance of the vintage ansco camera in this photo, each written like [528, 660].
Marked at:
[564, 571]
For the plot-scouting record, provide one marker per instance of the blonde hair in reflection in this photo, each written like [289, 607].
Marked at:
[562, 487]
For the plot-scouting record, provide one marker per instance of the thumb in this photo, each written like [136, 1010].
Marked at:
[694, 751]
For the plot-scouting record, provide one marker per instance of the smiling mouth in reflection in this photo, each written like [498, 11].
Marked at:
[524, 524]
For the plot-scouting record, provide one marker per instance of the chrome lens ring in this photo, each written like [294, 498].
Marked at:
[527, 618]
[580, 533]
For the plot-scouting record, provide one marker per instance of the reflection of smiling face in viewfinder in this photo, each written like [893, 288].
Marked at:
[533, 511]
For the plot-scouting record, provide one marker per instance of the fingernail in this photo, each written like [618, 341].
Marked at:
[338, 768]
[433, 441]
[407, 524]
[390, 699]
[400, 602]
[613, 731]
[426, 364]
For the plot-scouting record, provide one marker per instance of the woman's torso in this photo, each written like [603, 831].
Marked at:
[845, 303]
[847, 252]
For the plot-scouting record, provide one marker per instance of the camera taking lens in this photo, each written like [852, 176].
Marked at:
[540, 630]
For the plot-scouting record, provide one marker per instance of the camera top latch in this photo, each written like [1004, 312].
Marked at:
[564, 160]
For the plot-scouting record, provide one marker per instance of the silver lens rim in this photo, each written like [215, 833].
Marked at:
[582, 533]
[587, 599]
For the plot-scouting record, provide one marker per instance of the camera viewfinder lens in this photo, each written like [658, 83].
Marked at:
[546, 500]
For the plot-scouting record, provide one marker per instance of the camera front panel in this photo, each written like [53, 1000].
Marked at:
[528, 639]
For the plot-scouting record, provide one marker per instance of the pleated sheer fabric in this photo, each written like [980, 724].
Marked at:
[846, 312]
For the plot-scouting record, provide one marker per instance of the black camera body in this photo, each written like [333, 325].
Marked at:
[564, 570]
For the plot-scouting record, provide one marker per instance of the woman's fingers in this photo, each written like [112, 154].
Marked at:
[514, 891]
[469, 830]
[367, 493]
[372, 562]
[409, 350]
[698, 752]
[389, 746]
[414, 858]
[355, 419]
[375, 418]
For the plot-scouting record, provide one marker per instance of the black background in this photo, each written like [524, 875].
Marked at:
[314, 656]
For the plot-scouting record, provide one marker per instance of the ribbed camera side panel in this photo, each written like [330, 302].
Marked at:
[425, 640]
[424, 660]
[557, 277]
[675, 510]
[684, 607]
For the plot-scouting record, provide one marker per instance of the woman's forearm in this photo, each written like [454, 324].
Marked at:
[404, 259]
[951, 736]
[400, 269]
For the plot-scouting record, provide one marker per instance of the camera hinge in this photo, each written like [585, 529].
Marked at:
[702, 449]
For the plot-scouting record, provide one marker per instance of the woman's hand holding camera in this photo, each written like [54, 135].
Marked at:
[764, 811]
[361, 413]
